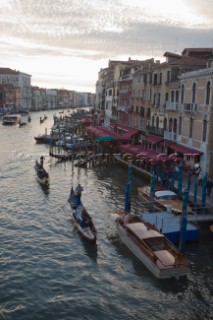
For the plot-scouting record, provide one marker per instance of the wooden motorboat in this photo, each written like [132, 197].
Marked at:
[164, 199]
[151, 247]
[82, 220]
[41, 174]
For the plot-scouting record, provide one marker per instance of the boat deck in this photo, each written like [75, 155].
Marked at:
[169, 224]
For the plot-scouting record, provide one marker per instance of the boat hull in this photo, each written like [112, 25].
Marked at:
[148, 258]
[87, 232]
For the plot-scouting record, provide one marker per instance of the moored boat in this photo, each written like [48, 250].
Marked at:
[41, 174]
[163, 199]
[43, 138]
[82, 220]
[151, 247]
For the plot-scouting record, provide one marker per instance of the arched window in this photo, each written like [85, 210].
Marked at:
[204, 130]
[180, 125]
[165, 123]
[177, 96]
[170, 124]
[153, 121]
[157, 123]
[182, 93]
[193, 92]
[208, 93]
[172, 96]
[190, 127]
[175, 125]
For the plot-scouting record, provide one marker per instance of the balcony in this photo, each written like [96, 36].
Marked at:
[190, 107]
[172, 136]
[154, 130]
[171, 106]
[122, 108]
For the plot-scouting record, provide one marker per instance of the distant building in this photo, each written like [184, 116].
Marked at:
[18, 80]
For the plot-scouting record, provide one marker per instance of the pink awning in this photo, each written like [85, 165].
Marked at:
[154, 139]
[184, 150]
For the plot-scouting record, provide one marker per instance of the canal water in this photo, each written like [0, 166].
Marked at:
[48, 272]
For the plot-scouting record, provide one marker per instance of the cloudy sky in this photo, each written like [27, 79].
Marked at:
[64, 43]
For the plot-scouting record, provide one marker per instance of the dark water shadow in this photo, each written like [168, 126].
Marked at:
[90, 249]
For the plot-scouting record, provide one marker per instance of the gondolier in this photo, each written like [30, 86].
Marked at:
[78, 191]
[41, 161]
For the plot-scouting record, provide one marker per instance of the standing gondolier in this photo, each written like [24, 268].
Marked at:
[41, 161]
[78, 191]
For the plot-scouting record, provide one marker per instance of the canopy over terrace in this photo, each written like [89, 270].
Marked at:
[123, 131]
[99, 131]
[184, 150]
[86, 120]
[150, 155]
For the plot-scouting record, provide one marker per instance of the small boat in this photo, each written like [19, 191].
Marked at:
[29, 119]
[163, 199]
[43, 138]
[41, 174]
[22, 123]
[82, 219]
[151, 247]
[11, 119]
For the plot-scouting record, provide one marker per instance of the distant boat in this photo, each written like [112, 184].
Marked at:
[43, 138]
[151, 247]
[11, 119]
[22, 123]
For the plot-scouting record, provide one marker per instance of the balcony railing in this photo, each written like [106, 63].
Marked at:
[172, 106]
[172, 136]
[190, 107]
[154, 130]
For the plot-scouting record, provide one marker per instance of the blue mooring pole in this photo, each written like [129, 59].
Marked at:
[180, 173]
[204, 193]
[152, 193]
[183, 224]
[195, 196]
[128, 189]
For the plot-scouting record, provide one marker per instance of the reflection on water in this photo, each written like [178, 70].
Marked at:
[90, 249]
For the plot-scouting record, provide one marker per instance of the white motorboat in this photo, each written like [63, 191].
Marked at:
[163, 199]
[151, 247]
[11, 119]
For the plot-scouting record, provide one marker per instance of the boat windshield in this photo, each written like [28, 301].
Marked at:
[156, 244]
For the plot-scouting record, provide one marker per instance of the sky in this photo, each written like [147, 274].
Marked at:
[65, 43]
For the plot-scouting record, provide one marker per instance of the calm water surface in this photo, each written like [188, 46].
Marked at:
[48, 272]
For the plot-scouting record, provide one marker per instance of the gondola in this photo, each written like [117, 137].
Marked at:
[82, 220]
[41, 174]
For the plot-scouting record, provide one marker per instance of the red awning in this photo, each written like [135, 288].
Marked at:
[130, 133]
[154, 139]
[184, 150]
